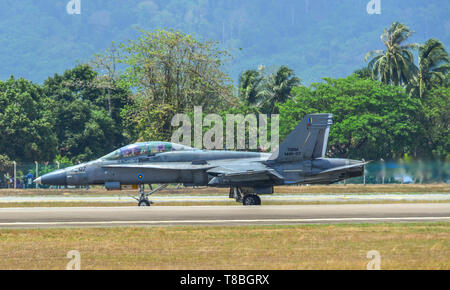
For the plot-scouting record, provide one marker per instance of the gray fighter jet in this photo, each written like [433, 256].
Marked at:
[298, 160]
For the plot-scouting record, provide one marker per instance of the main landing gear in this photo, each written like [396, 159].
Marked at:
[244, 198]
[143, 197]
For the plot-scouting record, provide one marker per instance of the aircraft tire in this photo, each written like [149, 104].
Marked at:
[144, 203]
[251, 199]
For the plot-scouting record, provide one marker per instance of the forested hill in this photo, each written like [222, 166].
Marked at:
[317, 38]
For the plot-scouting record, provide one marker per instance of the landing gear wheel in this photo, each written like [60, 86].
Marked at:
[251, 199]
[144, 203]
[143, 197]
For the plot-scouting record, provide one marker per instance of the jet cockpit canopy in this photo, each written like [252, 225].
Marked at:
[145, 149]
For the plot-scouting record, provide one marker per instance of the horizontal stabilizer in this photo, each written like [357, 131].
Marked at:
[345, 167]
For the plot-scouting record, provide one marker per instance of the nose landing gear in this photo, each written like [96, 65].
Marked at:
[144, 203]
[143, 197]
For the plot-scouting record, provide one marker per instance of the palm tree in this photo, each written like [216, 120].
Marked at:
[249, 86]
[277, 88]
[433, 67]
[395, 65]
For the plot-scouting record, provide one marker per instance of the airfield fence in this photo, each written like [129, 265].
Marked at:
[26, 173]
[379, 172]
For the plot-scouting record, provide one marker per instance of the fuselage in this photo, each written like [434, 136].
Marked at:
[190, 166]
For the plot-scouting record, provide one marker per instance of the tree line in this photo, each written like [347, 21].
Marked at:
[396, 106]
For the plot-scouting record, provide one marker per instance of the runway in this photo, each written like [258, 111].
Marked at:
[353, 197]
[221, 215]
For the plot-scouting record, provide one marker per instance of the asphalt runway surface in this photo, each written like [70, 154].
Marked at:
[221, 198]
[221, 215]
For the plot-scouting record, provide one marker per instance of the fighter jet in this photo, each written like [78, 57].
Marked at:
[300, 159]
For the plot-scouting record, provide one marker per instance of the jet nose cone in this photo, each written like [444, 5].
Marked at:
[38, 180]
[54, 178]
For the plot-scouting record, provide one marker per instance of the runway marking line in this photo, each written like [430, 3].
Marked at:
[225, 221]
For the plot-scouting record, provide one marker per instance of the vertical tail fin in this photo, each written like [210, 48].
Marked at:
[307, 141]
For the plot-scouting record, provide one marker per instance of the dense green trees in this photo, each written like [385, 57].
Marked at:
[26, 121]
[434, 139]
[371, 119]
[67, 116]
[6, 165]
[95, 108]
[171, 72]
[87, 115]
[425, 82]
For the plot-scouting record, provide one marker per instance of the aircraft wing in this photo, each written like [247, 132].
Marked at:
[243, 172]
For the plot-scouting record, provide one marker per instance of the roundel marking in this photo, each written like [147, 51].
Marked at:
[140, 176]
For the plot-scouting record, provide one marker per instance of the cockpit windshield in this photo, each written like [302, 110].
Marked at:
[144, 149]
